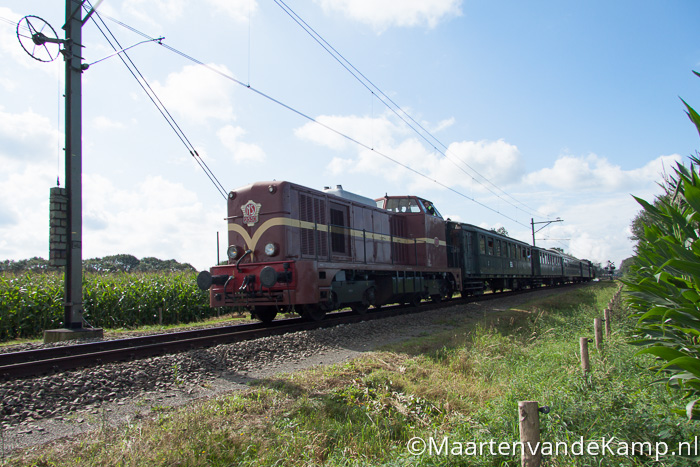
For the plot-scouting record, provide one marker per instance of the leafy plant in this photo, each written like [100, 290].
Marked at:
[664, 284]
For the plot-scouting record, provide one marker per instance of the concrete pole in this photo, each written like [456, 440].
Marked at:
[73, 306]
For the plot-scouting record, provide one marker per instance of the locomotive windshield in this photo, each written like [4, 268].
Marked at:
[411, 205]
[402, 205]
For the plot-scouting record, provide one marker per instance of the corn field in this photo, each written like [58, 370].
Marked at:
[31, 302]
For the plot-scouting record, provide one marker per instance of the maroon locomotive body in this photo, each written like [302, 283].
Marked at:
[292, 248]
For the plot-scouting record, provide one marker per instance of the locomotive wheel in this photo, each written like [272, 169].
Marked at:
[445, 293]
[313, 313]
[266, 313]
[331, 304]
[368, 298]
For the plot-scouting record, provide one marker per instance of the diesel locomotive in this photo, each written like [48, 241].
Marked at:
[293, 248]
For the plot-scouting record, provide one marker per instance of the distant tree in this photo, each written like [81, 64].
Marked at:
[669, 185]
[625, 266]
[643, 218]
[501, 231]
[106, 264]
[113, 263]
[151, 264]
[35, 264]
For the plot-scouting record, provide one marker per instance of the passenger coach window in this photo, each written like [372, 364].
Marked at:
[482, 245]
[498, 248]
[491, 246]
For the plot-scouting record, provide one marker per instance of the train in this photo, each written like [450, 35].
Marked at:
[296, 249]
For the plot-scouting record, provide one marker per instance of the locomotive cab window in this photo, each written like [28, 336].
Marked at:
[402, 205]
[430, 209]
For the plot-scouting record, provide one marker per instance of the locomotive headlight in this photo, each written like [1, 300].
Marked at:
[271, 249]
[233, 251]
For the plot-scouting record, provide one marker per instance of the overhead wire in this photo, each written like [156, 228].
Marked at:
[183, 138]
[126, 60]
[311, 119]
[396, 109]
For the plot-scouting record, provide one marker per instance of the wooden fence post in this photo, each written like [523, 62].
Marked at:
[598, 332]
[585, 361]
[530, 433]
[606, 317]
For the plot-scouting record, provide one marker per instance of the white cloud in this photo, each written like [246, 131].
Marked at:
[373, 132]
[146, 10]
[106, 123]
[24, 224]
[27, 136]
[242, 152]
[597, 173]
[157, 217]
[401, 13]
[238, 10]
[448, 122]
[498, 161]
[152, 11]
[198, 94]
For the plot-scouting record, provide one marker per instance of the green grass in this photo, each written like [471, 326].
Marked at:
[463, 384]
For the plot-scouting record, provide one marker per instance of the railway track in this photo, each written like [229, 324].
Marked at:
[61, 358]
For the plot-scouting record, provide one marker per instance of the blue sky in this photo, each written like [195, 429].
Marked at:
[559, 109]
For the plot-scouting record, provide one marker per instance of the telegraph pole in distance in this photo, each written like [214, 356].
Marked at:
[546, 223]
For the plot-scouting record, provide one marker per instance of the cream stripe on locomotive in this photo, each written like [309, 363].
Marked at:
[251, 242]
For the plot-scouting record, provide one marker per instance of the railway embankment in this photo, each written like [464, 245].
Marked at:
[363, 394]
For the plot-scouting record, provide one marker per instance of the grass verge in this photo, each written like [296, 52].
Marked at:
[462, 385]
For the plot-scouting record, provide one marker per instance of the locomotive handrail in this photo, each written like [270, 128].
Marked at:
[261, 214]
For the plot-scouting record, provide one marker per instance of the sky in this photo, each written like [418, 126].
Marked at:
[500, 113]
